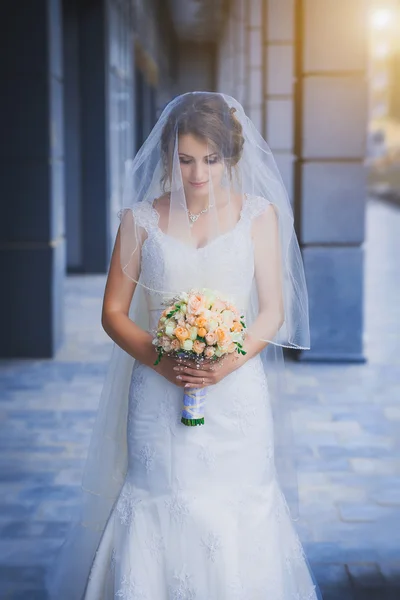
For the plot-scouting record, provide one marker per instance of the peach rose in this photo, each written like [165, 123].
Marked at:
[202, 332]
[191, 320]
[166, 344]
[175, 345]
[181, 333]
[209, 352]
[218, 305]
[211, 338]
[223, 337]
[196, 304]
[237, 326]
[198, 346]
[201, 322]
[231, 348]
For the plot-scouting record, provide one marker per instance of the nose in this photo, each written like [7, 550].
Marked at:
[198, 172]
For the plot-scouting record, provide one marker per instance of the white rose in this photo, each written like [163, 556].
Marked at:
[212, 325]
[193, 333]
[163, 319]
[237, 336]
[228, 317]
[210, 295]
[183, 296]
[169, 330]
[219, 352]
[187, 345]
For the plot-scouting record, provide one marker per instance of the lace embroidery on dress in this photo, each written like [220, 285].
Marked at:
[127, 505]
[147, 455]
[254, 207]
[212, 544]
[178, 506]
[137, 389]
[146, 215]
[156, 546]
[207, 456]
[130, 590]
[168, 415]
[242, 414]
[113, 559]
[237, 590]
[182, 587]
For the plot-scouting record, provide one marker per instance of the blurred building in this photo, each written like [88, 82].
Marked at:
[84, 81]
[384, 99]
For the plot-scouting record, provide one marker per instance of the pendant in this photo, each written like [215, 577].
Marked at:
[193, 218]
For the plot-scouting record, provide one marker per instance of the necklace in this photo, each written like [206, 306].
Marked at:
[194, 216]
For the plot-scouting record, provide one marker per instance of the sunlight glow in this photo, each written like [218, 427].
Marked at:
[381, 18]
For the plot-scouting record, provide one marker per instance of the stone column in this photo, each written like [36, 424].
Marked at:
[254, 70]
[32, 242]
[330, 135]
[278, 85]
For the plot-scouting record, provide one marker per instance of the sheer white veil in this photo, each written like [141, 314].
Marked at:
[240, 170]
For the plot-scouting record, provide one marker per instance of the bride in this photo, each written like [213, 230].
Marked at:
[171, 512]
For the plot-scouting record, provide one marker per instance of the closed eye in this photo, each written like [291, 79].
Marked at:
[209, 160]
[213, 160]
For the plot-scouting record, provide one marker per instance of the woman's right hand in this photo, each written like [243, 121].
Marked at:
[166, 368]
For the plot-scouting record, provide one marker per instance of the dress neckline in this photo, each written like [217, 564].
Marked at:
[196, 249]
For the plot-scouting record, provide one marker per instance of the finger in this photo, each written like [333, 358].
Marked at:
[192, 372]
[194, 386]
[187, 379]
[203, 366]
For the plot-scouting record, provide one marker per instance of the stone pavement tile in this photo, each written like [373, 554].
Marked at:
[372, 466]
[339, 552]
[392, 413]
[24, 594]
[51, 510]
[391, 572]
[336, 592]
[366, 512]
[16, 511]
[361, 573]
[324, 466]
[333, 575]
[355, 450]
[327, 494]
[27, 552]
[28, 529]
[388, 495]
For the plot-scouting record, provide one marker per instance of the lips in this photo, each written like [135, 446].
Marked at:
[200, 184]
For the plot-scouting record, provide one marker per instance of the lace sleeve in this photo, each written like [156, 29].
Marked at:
[255, 206]
[144, 215]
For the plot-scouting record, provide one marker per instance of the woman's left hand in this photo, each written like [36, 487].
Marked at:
[208, 372]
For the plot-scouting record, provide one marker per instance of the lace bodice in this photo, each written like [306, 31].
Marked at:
[225, 264]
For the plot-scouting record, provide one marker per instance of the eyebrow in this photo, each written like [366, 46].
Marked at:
[189, 156]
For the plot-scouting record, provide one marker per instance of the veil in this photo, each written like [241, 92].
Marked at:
[223, 184]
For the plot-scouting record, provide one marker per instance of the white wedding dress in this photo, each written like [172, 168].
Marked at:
[200, 515]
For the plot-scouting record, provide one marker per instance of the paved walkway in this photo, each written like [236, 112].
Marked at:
[347, 433]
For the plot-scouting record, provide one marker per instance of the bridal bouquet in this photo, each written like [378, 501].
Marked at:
[199, 325]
